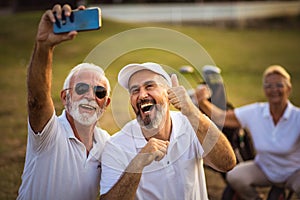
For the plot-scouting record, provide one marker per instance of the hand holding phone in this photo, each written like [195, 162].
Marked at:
[79, 20]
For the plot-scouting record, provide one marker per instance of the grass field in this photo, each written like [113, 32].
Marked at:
[242, 54]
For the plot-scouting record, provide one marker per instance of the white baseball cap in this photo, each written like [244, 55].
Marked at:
[127, 71]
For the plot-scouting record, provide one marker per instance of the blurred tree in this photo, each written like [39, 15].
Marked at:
[21, 5]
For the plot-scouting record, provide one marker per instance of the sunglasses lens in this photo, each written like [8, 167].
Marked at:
[100, 92]
[81, 88]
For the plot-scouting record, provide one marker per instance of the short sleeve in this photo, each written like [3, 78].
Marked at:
[44, 139]
[113, 164]
[243, 114]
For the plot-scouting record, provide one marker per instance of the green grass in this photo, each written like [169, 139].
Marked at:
[242, 54]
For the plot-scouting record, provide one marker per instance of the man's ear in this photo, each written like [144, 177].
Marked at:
[107, 102]
[63, 97]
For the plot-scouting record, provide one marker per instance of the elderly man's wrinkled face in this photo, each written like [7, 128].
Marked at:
[149, 99]
[87, 100]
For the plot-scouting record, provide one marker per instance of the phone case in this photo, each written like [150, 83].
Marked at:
[79, 20]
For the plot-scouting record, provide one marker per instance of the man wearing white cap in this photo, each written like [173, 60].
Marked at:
[160, 154]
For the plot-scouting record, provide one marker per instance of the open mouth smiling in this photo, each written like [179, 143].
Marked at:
[147, 107]
[87, 107]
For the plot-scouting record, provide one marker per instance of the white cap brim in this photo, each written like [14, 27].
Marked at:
[127, 71]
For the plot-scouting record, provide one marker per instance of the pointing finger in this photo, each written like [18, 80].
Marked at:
[174, 80]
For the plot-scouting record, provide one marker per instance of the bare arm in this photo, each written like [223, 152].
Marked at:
[128, 183]
[219, 153]
[39, 75]
[219, 116]
[40, 105]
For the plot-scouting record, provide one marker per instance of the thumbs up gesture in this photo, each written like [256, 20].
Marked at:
[179, 97]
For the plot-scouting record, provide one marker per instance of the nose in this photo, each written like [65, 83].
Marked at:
[90, 94]
[143, 92]
[272, 88]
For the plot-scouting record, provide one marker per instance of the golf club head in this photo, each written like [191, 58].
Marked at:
[186, 69]
[211, 68]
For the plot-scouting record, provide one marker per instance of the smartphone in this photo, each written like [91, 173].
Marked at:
[79, 20]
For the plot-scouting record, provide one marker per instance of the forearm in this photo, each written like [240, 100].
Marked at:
[125, 188]
[127, 185]
[218, 152]
[216, 114]
[40, 105]
[223, 118]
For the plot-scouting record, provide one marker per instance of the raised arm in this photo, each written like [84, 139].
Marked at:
[218, 151]
[39, 75]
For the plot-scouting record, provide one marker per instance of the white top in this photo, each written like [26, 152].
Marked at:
[278, 147]
[179, 175]
[57, 166]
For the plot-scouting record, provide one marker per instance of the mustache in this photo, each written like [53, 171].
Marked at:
[90, 103]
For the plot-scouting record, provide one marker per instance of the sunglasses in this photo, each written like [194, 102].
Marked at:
[82, 88]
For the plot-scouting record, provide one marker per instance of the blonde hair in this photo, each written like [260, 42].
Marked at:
[277, 69]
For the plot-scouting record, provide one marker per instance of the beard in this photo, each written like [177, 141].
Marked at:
[85, 118]
[154, 122]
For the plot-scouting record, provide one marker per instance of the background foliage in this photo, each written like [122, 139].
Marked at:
[242, 54]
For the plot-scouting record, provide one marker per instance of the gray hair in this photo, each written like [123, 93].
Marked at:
[86, 66]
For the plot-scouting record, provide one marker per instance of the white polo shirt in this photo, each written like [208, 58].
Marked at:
[179, 175]
[278, 147]
[57, 166]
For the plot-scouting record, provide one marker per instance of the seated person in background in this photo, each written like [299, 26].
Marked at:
[160, 154]
[275, 130]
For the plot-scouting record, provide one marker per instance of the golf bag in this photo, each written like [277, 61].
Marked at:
[239, 138]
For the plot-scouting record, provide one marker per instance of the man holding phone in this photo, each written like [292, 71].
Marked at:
[63, 153]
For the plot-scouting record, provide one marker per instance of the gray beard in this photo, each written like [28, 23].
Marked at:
[154, 123]
[84, 118]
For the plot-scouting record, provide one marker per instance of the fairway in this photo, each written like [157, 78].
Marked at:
[242, 55]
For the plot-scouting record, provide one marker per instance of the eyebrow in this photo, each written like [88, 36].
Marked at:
[145, 83]
[281, 82]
